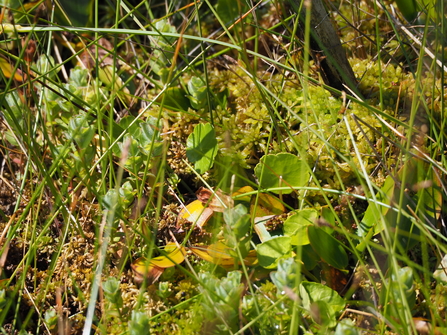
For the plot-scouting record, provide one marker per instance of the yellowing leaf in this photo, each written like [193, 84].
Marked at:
[220, 254]
[143, 271]
[202, 253]
[196, 213]
[239, 194]
[252, 258]
[8, 70]
[267, 205]
[220, 251]
[173, 258]
[153, 269]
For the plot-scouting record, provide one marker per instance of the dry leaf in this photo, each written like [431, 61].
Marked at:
[216, 200]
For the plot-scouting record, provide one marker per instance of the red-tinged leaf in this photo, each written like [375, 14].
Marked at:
[143, 271]
[335, 279]
[153, 269]
[216, 200]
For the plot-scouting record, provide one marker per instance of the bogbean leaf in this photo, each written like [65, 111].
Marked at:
[174, 98]
[282, 170]
[271, 251]
[295, 226]
[322, 302]
[201, 147]
[198, 92]
[327, 247]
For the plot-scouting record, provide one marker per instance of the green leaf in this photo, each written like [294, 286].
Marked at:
[74, 13]
[346, 327]
[237, 220]
[198, 92]
[45, 66]
[112, 291]
[318, 298]
[286, 275]
[111, 199]
[14, 112]
[415, 175]
[271, 251]
[134, 129]
[401, 281]
[139, 323]
[162, 41]
[309, 258]
[174, 98]
[150, 137]
[51, 318]
[327, 247]
[201, 147]
[321, 313]
[295, 226]
[80, 130]
[282, 170]
[78, 77]
[127, 194]
[228, 11]
[408, 8]
[374, 212]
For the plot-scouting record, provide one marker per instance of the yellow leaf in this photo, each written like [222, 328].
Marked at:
[252, 258]
[196, 213]
[219, 254]
[267, 205]
[153, 269]
[239, 194]
[201, 253]
[8, 70]
[173, 258]
[141, 271]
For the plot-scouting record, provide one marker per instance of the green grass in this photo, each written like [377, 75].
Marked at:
[98, 162]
